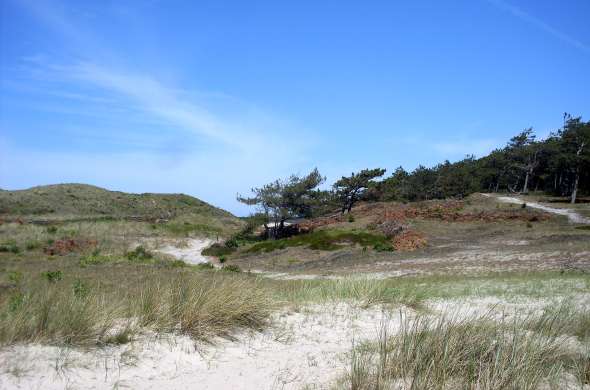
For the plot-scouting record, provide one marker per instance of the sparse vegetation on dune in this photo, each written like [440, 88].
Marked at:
[108, 282]
[66, 310]
[169, 214]
[326, 240]
[479, 352]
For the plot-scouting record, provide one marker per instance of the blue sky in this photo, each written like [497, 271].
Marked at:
[212, 98]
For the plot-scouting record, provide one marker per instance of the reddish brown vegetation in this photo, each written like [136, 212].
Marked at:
[448, 211]
[409, 240]
[63, 247]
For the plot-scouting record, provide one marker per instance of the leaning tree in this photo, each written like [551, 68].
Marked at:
[350, 189]
[284, 199]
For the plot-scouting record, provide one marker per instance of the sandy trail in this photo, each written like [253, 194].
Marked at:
[570, 214]
[191, 253]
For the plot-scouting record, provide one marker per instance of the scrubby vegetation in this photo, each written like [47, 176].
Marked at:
[480, 352]
[55, 308]
[81, 266]
[86, 200]
[558, 165]
[326, 240]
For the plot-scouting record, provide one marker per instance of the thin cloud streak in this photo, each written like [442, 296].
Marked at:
[155, 98]
[532, 20]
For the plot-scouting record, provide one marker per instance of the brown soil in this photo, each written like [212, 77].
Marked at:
[63, 247]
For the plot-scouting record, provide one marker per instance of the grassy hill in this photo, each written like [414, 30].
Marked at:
[86, 200]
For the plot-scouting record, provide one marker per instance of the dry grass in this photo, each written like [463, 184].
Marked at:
[202, 306]
[475, 353]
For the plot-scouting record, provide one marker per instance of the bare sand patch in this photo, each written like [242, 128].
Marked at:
[190, 252]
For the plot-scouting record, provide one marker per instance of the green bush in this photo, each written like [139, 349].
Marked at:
[15, 276]
[139, 254]
[222, 259]
[95, 258]
[205, 266]
[231, 268]
[176, 264]
[51, 229]
[218, 250]
[16, 301]
[350, 218]
[9, 246]
[52, 276]
[383, 247]
[32, 245]
[232, 243]
[80, 289]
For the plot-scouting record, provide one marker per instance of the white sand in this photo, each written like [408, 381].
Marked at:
[307, 348]
[190, 253]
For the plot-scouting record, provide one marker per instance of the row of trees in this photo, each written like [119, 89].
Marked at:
[558, 165]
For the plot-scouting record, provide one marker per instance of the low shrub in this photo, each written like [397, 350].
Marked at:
[80, 289]
[218, 250]
[139, 254]
[9, 246]
[15, 276]
[52, 276]
[176, 264]
[32, 245]
[383, 247]
[95, 259]
[231, 268]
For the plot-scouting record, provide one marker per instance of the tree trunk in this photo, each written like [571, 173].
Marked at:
[497, 186]
[575, 189]
[525, 187]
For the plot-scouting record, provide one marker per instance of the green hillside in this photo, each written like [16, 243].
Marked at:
[85, 200]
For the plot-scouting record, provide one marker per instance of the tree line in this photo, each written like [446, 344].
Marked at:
[558, 165]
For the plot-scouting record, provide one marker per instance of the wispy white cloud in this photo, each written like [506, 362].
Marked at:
[227, 147]
[534, 21]
[155, 99]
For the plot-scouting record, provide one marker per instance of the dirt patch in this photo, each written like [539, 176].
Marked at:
[65, 246]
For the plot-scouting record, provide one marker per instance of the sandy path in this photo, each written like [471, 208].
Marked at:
[191, 253]
[570, 214]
